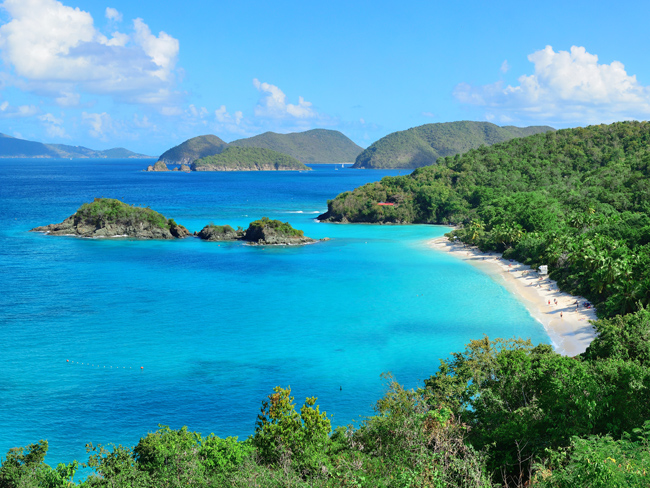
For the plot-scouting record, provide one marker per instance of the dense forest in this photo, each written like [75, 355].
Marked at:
[501, 412]
[423, 145]
[247, 158]
[316, 146]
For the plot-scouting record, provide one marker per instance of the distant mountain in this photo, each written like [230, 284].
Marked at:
[423, 145]
[11, 147]
[311, 147]
[193, 149]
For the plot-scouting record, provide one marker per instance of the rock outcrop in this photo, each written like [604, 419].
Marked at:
[220, 233]
[273, 232]
[260, 232]
[159, 166]
[107, 217]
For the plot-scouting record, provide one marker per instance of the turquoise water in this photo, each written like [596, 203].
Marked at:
[215, 327]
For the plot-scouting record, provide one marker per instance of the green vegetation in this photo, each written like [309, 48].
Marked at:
[423, 145]
[103, 210]
[499, 413]
[309, 147]
[576, 200]
[280, 228]
[246, 159]
[193, 149]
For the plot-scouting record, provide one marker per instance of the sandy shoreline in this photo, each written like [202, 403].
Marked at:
[567, 326]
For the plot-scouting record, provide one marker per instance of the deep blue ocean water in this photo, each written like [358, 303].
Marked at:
[215, 326]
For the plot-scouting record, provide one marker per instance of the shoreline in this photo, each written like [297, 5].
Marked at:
[568, 328]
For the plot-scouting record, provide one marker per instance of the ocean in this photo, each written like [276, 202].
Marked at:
[102, 340]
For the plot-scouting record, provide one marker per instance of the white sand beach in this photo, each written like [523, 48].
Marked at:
[568, 326]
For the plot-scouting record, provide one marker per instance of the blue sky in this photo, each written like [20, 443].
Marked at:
[147, 75]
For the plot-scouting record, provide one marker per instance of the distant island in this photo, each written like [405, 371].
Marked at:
[317, 146]
[12, 147]
[423, 145]
[234, 158]
[108, 217]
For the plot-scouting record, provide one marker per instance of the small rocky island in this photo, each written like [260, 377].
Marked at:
[108, 217]
[260, 232]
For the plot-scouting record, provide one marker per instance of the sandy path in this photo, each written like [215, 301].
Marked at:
[567, 326]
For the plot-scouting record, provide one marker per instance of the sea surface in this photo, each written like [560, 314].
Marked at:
[102, 340]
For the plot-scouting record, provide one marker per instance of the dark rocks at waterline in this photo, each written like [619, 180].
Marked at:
[138, 230]
[108, 217]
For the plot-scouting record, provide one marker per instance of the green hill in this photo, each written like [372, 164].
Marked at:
[588, 185]
[193, 149]
[234, 158]
[11, 147]
[423, 145]
[310, 147]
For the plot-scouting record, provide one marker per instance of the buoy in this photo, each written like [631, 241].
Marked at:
[67, 360]
[141, 367]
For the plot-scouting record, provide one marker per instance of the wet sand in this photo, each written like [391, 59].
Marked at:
[567, 326]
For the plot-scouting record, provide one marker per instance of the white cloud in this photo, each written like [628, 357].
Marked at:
[569, 87]
[68, 99]
[10, 111]
[54, 49]
[429, 114]
[100, 124]
[113, 14]
[505, 67]
[273, 104]
[53, 126]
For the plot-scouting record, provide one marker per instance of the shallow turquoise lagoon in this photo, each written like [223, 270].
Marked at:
[215, 327]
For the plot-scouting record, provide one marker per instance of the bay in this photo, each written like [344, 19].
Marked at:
[102, 340]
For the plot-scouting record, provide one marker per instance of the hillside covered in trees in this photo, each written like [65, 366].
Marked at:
[575, 199]
[423, 145]
[501, 413]
[234, 158]
[314, 146]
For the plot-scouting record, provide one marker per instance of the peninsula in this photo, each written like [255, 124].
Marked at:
[108, 217]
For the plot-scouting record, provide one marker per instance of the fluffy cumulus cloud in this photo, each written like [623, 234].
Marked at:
[56, 50]
[273, 104]
[566, 87]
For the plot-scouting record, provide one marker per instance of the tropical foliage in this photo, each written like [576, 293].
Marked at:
[248, 158]
[576, 200]
[103, 210]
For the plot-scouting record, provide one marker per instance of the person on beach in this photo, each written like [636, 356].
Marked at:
[561, 316]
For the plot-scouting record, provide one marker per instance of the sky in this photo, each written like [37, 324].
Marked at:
[148, 75]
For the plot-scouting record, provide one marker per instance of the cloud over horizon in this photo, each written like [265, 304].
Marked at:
[55, 50]
[566, 87]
